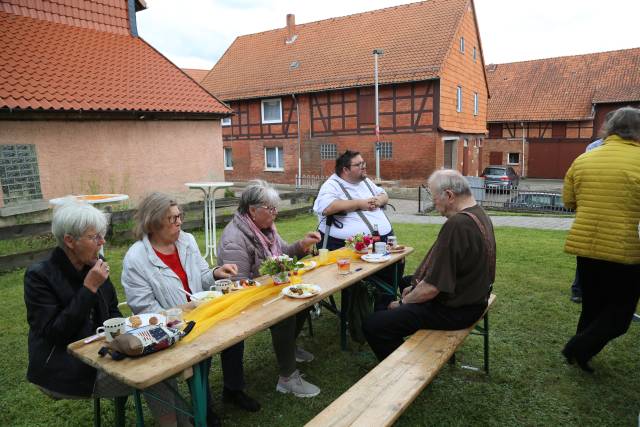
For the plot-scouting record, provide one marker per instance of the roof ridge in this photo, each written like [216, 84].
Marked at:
[563, 56]
[336, 18]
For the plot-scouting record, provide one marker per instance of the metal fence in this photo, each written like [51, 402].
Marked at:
[507, 199]
[310, 181]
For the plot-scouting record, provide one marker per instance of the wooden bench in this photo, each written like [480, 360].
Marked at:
[382, 395]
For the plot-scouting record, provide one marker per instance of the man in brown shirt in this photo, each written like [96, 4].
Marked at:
[450, 288]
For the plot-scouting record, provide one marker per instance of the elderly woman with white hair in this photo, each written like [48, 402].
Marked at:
[246, 241]
[68, 296]
[161, 267]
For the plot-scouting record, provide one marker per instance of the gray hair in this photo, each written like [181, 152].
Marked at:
[449, 179]
[74, 217]
[258, 192]
[625, 123]
[151, 213]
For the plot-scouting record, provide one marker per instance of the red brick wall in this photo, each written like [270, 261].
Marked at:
[505, 146]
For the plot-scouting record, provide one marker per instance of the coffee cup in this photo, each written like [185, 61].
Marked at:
[222, 285]
[112, 328]
[380, 248]
[392, 241]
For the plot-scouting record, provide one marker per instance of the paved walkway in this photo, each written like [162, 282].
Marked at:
[406, 213]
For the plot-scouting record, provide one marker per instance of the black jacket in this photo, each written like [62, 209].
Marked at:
[60, 310]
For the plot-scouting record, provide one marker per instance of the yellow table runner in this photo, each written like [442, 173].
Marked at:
[211, 312]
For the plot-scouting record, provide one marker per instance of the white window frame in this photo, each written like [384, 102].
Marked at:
[279, 167]
[224, 155]
[225, 121]
[459, 99]
[475, 103]
[279, 120]
[462, 44]
[509, 158]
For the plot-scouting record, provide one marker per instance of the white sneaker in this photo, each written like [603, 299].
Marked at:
[303, 355]
[296, 385]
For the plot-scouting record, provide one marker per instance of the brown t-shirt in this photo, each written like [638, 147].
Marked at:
[460, 263]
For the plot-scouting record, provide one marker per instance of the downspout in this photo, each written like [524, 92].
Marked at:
[299, 140]
[133, 25]
[522, 172]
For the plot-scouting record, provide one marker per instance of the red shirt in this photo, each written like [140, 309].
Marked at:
[173, 262]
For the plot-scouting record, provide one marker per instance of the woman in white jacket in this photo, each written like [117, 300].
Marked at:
[164, 262]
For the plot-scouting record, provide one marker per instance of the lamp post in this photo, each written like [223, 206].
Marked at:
[376, 53]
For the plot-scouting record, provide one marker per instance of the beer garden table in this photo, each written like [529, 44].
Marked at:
[141, 373]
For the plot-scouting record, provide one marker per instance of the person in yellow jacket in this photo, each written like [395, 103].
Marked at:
[603, 186]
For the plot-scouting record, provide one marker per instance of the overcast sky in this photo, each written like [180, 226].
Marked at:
[195, 33]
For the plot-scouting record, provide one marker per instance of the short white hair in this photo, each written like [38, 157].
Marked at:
[74, 218]
[449, 179]
[258, 192]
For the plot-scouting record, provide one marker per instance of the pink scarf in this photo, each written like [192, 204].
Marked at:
[270, 246]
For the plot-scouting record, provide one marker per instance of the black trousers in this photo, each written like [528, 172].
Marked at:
[232, 369]
[385, 330]
[610, 293]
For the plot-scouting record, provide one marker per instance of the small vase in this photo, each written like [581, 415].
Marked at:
[280, 278]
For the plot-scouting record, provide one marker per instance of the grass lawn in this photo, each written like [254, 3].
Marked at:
[529, 383]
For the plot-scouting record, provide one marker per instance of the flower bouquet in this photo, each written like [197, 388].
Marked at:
[279, 268]
[359, 243]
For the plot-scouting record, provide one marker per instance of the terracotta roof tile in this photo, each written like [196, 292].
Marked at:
[196, 74]
[56, 66]
[562, 88]
[337, 52]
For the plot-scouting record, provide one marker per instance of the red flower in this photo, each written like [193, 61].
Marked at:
[360, 246]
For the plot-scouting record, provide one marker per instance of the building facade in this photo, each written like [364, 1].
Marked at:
[303, 94]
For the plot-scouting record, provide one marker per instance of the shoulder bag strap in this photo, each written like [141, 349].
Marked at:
[487, 244]
[359, 212]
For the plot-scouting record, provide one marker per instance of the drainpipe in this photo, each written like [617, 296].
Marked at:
[522, 172]
[299, 138]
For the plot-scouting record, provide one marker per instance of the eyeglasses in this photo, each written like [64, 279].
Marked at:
[97, 238]
[361, 165]
[173, 219]
[272, 209]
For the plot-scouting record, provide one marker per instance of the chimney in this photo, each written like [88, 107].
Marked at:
[291, 28]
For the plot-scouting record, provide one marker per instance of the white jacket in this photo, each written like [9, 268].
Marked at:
[151, 286]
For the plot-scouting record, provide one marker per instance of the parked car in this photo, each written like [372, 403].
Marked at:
[530, 200]
[500, 178]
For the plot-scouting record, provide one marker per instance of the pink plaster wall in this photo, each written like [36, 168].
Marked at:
[131, 157]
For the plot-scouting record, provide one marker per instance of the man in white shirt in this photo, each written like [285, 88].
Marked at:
[353, 203]
[357, 212]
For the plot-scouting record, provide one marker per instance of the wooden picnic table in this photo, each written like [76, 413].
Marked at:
[141, 373]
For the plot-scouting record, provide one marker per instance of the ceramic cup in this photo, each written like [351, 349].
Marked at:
[112, 328]
[381, 248]
[222, 285]
[392, 241]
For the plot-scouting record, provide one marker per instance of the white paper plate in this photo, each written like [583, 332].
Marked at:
[375, 258]
[207, 295]
[309, 290]
[145, 319]
[308, 265]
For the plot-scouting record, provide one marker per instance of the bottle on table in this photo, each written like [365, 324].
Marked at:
[375, 237]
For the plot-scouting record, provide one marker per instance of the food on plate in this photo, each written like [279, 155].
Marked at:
[247, 283]
[302, 290]
[135, 321]
[296, 290]
[153, 320]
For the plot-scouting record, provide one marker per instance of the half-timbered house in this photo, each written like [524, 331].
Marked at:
[305, 93]
[543, 113]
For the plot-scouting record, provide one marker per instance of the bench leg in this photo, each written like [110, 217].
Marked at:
[96, 412]
[139, 415]
[486, 343]
[120, 403]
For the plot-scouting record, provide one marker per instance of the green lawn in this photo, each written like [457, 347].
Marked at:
[529, 383]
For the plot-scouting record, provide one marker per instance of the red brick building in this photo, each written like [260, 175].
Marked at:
[87, 106]
[305, 93]
[543, 113]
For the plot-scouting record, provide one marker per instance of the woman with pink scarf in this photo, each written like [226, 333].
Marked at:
[246, 241]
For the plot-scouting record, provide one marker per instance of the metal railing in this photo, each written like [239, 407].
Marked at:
[309, 181]
[505, 199]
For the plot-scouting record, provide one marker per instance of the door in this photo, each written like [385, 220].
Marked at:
[465, 158]
[448, 153]
[495, 158]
